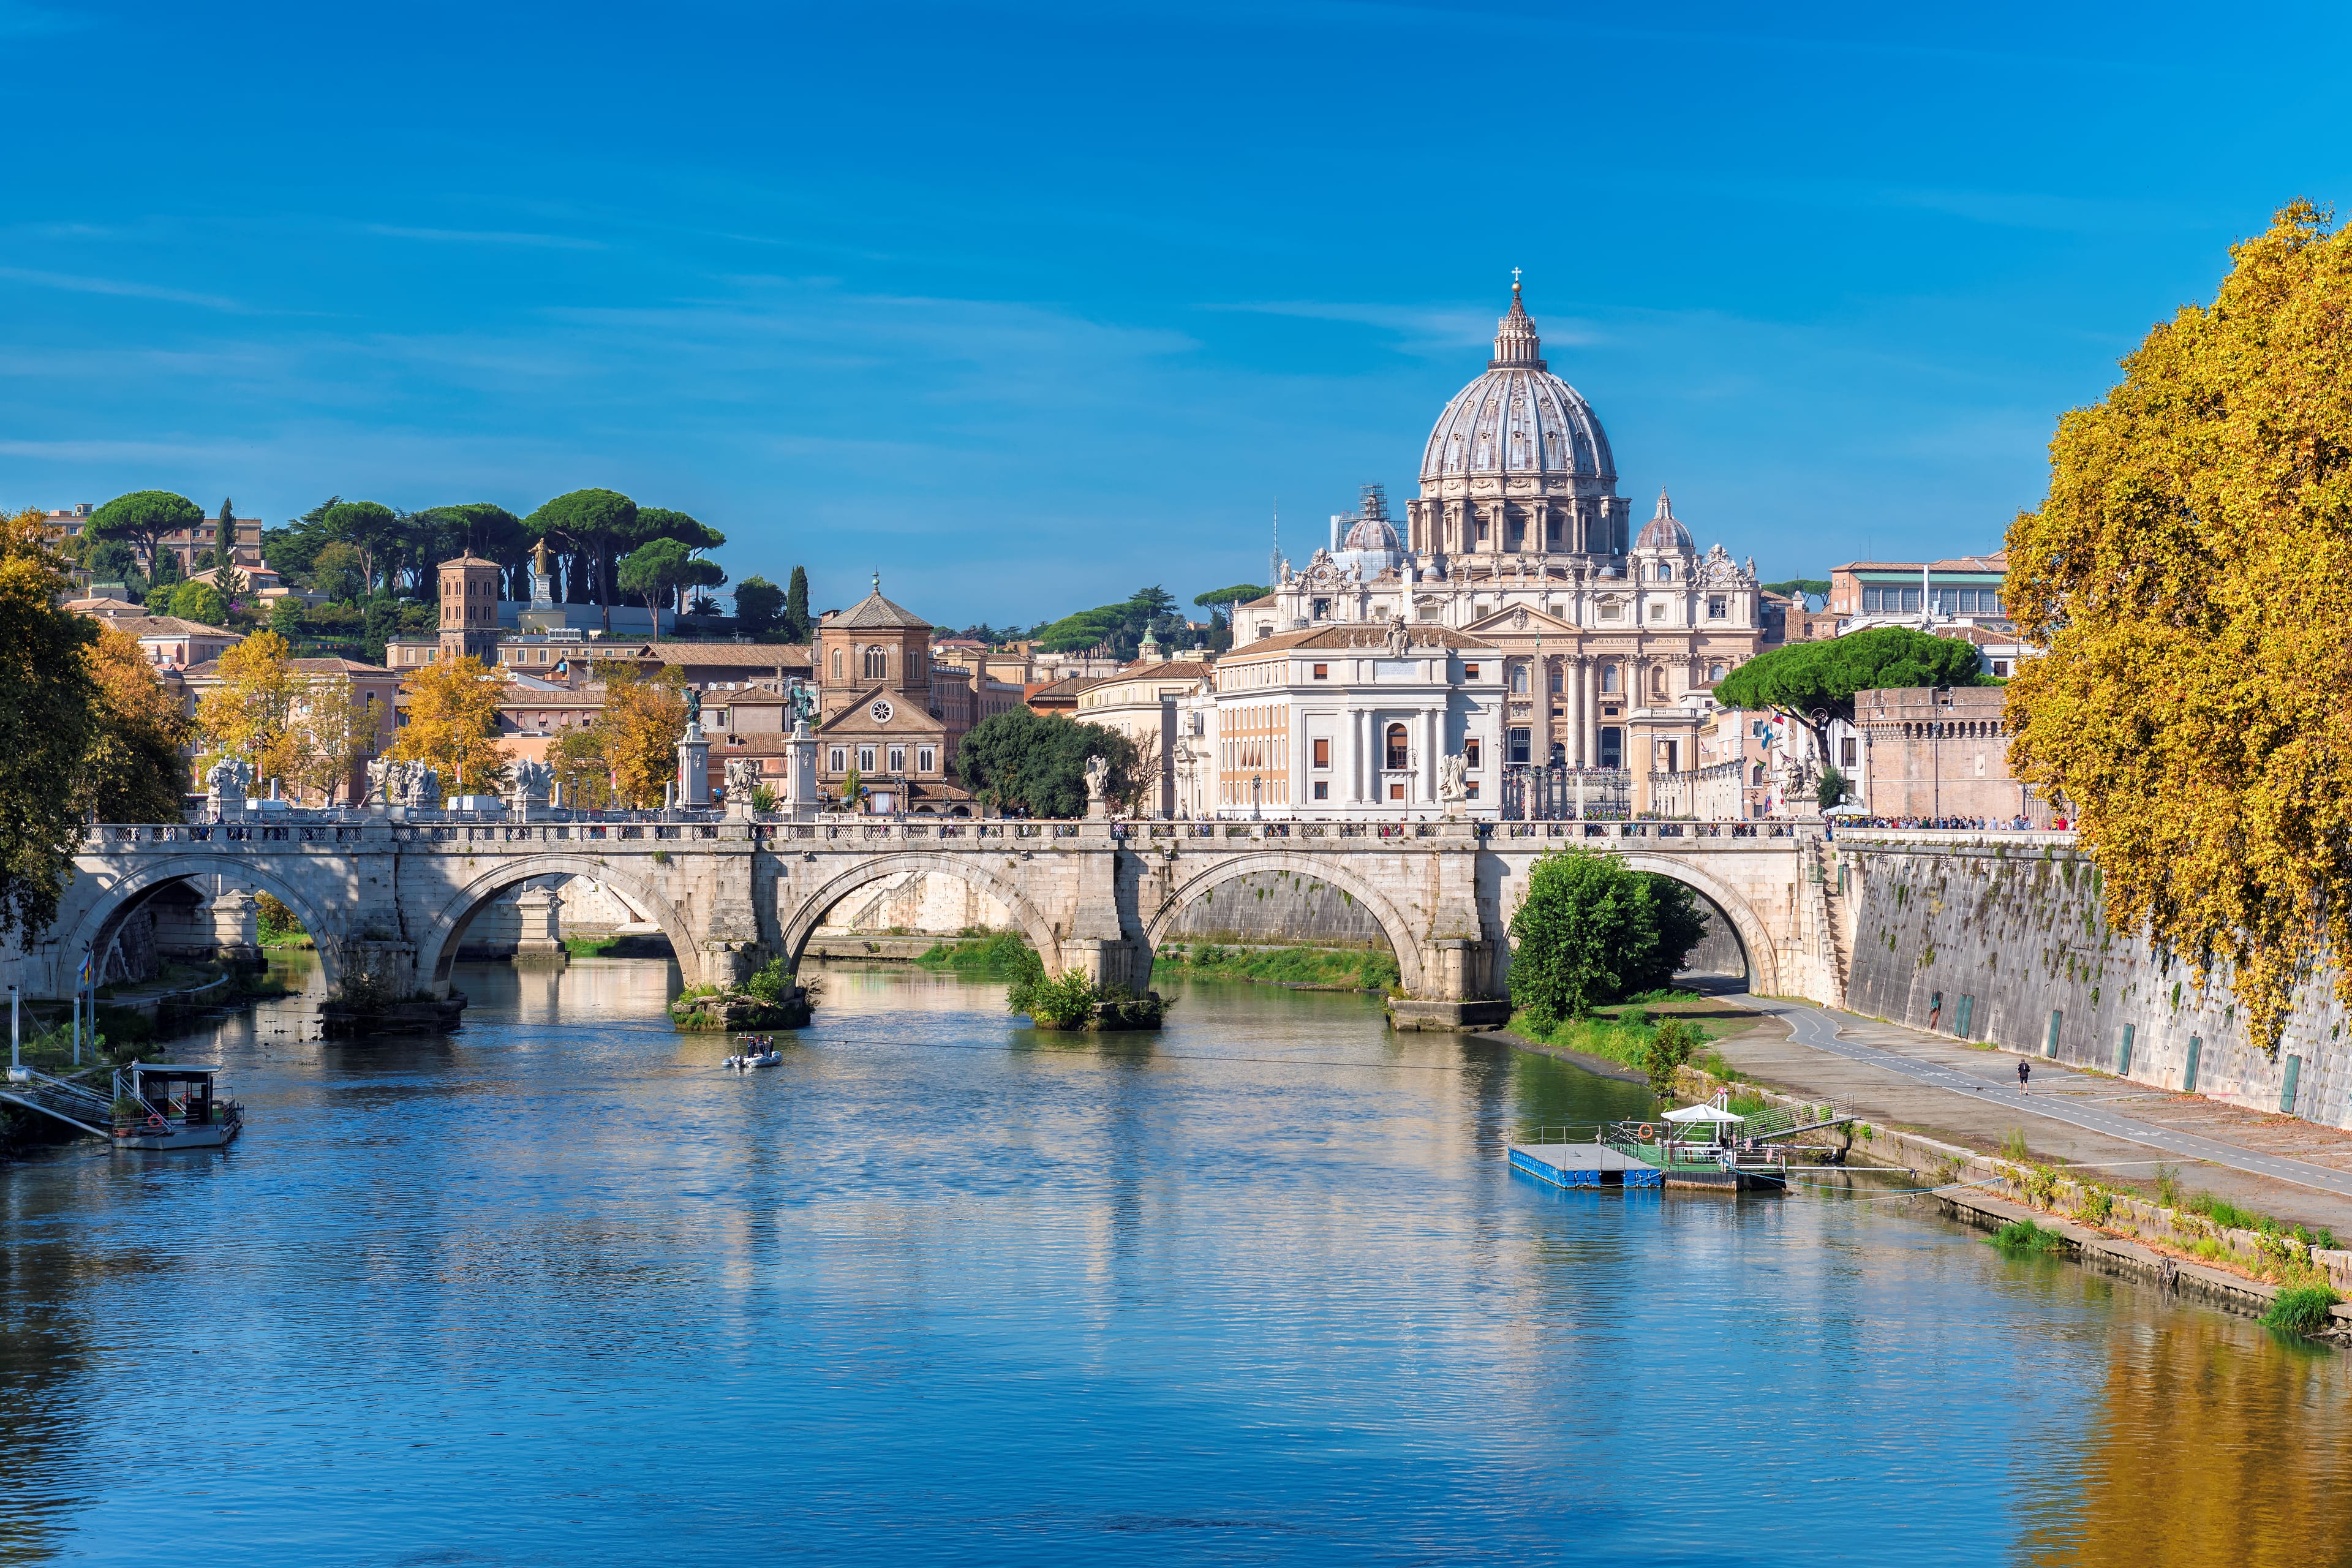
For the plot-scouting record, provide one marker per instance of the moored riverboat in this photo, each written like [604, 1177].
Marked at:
[172, 1105]
[1704, 1146]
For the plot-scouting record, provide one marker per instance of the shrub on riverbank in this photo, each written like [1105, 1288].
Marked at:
[1307, 968]
[2302, 1309]
[276, 924]
[2024, 1235]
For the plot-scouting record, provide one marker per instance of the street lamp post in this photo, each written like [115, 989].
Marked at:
[1257, 794]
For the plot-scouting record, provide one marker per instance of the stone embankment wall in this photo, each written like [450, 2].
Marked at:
[1717, 952]
[916, 903]
[1278, 909]
[2004, 938]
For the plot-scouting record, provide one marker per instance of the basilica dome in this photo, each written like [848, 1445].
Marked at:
[1518, 421]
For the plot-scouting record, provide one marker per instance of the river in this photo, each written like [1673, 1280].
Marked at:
[556, 1289]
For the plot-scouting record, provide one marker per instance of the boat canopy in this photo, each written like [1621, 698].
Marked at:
[1716, 1114]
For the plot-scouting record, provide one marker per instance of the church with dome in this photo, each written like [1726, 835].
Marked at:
[1612, 636]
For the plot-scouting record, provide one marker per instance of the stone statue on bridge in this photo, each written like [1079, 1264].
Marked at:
[1453, 782]
[424, 792]
[1097, 781]
[224, 783]
[742, 778]
[528, 786]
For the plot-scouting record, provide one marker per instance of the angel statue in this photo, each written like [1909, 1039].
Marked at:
[1098, 778]
[1453, 782]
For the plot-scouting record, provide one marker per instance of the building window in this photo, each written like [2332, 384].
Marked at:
[1470, 788]
[1482, 539]
[1518, 680]
[1718, 609]
[1322, 752]
[1846, 751]
[837, 664]
[840, 759]
[865, 759]
[876, 664]
[1516, 746]
[2000, 667]
[1555, 679]
[1470, 751]
[897, 759]
[1665, 571]
[1322, 611]
[1396, 791]
[1399, 753]
[1322, 790]
[1658, 609]
[926, 758]
[1608, 678]
[1469, 672]
[1611, 612]
[1322, 672]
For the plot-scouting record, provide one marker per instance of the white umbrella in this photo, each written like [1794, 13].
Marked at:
[1715, 1113]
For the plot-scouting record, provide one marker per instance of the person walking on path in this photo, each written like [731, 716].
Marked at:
[2024, 1073]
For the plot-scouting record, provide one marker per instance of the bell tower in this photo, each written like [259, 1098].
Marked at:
[469, 608]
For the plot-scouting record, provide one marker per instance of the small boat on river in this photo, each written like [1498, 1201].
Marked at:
[759, 1051]
[165, 1105]
[1704, 1145]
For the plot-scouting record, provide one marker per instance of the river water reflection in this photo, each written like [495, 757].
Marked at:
[557, 1290]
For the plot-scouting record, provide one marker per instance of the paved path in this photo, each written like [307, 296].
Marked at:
[2059, 1098]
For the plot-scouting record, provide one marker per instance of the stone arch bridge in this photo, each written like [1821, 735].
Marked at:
[393, 900]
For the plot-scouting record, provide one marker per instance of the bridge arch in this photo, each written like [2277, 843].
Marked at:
[1393, 923]
[101, 914]
[810, 912]
[436, 949]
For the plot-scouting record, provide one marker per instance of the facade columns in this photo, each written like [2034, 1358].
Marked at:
[1429, 741]
[1590, 738]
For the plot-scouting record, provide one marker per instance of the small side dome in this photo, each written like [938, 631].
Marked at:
[1665, 531]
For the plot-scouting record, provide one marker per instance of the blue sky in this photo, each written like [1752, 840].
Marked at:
[1030, 305]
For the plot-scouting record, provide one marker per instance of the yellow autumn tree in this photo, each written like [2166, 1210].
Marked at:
[46, 703]
[2191, 572]
[453, 723]
[639, 732]
[334, 730]
[246, 714]
[133, 770]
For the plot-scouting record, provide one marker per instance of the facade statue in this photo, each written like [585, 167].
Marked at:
[1399, 644]
[423, 786]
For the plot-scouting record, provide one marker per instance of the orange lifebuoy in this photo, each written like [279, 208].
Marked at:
[1649, 1135]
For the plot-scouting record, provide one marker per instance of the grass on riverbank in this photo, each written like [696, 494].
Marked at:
[2022, 1235]
[1620, 1032]
[1303, 968]
[275, 925]
[2302, 1309]
[995, 955]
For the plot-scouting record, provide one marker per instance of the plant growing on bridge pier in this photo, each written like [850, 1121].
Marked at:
[2191, 572]
[1593, 930]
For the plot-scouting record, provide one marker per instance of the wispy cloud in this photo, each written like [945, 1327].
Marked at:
[77, 284]
[486, 237]
[1423, 329]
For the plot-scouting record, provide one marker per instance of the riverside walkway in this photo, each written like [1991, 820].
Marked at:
[1908, 1078]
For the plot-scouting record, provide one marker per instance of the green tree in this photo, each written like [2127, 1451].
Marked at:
[290, 550]
[1831, 791]
[599, 523]
[145, 518]
[372, 528]
[200, 602]
[799, 628]
[223, 553]
[758, 605]
[1593, 931]
[286, 618]
[481, 528]
[2189, 573]
[1035, 764]
[1817, 588]
[652, 572]
[1154, 600]
[1239, 594]
[1673, 1043]
[1814, 683]
[47, 697]
[112, 561]
[339, 571]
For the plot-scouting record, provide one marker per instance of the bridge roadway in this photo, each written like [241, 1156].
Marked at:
[392, 899]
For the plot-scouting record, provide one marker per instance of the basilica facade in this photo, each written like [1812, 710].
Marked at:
[1612, 637]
